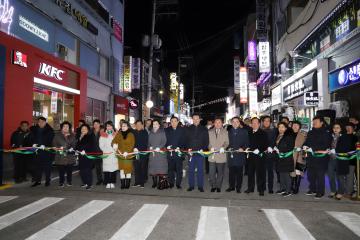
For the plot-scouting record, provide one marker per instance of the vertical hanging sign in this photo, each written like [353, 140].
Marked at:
[264, 57]
[127, 73]
[243, 85]
[236, 75]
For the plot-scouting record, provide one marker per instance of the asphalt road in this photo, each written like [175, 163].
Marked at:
[74, 213]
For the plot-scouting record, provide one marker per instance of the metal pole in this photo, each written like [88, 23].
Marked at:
[178, 89]
[193, 94]
[151, 53]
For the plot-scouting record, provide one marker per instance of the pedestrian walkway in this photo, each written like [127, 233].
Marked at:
[130, 221]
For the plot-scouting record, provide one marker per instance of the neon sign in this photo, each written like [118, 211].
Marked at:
[51, 71]
[6, 14]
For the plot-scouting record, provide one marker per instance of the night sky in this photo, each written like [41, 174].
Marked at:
[201, 29]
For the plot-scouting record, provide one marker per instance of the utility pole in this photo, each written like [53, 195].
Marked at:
[151, 54]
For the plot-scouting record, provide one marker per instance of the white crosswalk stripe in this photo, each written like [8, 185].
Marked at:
[6, 198]
[140, 225]
[349, 219]
[70, 222]
[26, 211]
[213, 224]
[286, 225]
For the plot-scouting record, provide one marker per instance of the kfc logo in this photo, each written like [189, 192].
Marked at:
[19, 59]
[51, 71]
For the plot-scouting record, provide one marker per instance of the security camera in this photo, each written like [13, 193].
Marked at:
[97, 49]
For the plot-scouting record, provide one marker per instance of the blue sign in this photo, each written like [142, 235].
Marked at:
[345, 76]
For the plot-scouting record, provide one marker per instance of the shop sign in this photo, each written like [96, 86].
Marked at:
[121, 105]
[118, 33]
[77, 15]
[51, 71]
[276, 96]
[6, 16]
[54, 97]
[243, 85]
[136, 73]
[253, 102]
[264, 57]
[33, 28]
[133, 104]
[236, 75]
[252, 51]
[19, 58]
[181, 91]
[325, 43]
[127, 74]
[173, 82]
[345, 76]
[342, 29]
[311, 98]
[358, 18]
[298, 87]
[264, 105]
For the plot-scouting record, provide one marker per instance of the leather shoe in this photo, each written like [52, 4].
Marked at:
[190, 189]
[261, 193]
[212, 189]
[201, 189]
[230, 189]
[218, 190]
[248, 191]
[36, 184]
[238, 190]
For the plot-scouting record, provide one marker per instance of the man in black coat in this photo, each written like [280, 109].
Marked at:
[22, 137]
[318, 139]
[175, 138]
[238, 140]
[269, 157]
[43, 136]
[141, 144]
[197, 138]
[96, 132]
[256, 162]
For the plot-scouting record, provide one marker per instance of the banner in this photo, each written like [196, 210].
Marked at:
[127, 74]
[243, 85]
[236, 75]
[136, 73]
[264, 57]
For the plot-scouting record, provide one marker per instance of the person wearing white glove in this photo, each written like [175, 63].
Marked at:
[218, 141]
[141, 160]
[158, 164]
[43, 136]
[269, 150]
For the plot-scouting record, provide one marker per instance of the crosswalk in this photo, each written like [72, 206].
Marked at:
[213, 222]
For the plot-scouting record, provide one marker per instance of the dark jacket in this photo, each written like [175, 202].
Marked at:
[197, 138]
[238, 138]
[43, 136]
[318, 140]
[346, 143]
[285, 144]
[21, 139]
[96, 141]
[87, 144]
[176, 139]
[257, 140]
[141, 139]
[271, 136]
[66, 142]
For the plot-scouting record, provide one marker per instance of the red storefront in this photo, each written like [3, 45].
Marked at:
[35, 84]
[121, 109]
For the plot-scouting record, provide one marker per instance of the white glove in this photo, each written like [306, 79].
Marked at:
[212, 149]
[136, 150]
[305, 148]
[151, 148]
[201, 151]
[256, 151]
[168, 147]
[71, 150]
[177, 149]
[157, 149]
[276, 149]
[269, 149]
[34, 145]
[332, 151]
[82, 152]
[115, 146]
[298, 149]
[125, 154]
[310, 150]
[222, 150]
[42, 147]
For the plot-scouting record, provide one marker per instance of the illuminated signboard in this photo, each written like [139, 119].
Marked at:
[252, 51]
[18, 58]
[33, 28]
[345, 76]
[6, 15]
[264, 57]
[50, 71]
[127, 74]
[173, 82]
[243, 85]
[181, 91]
[236, 75]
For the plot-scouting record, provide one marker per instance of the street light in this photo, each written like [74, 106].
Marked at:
[149, 104]
[161, 92]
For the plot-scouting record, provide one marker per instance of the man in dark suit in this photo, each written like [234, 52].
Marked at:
[256, 161]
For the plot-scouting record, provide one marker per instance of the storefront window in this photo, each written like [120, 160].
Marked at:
[104, 68]
[55, 106]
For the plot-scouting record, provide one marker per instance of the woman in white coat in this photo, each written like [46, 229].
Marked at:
[110, 163]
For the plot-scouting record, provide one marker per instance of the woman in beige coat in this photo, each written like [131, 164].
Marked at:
[218, 141]
[299, 162]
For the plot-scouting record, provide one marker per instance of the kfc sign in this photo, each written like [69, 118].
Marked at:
[51, 71]
[18, 58]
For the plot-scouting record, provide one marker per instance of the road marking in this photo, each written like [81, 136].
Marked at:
[140, 225]
[213, 224]
[286, 225]
[70, 222]
[349, 219]
[6, 198]
[26, 211]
